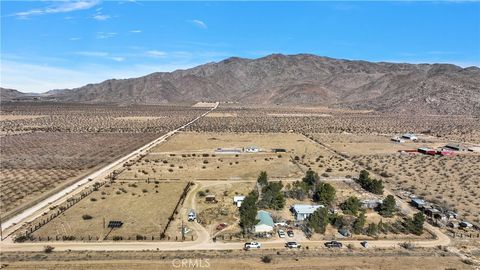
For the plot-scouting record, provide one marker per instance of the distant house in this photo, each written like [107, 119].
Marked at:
[303, 211]
[237, 200]
[455, 146]
[409, 136]
[265, 222]
[418, 203]
[251, 149]
[371, 204]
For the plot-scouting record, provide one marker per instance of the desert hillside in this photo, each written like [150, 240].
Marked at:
[300, 79]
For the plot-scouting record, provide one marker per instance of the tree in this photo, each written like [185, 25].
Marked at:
[359, 223]
[299, 190]
[272, 196]
[416, 225]
[319, 220]
[311, 178]
[263, 178]
[372, 185]
[387, 208]
[351, 206]
[324, 193]
[372, 229]
[376, 186]
[248, 211]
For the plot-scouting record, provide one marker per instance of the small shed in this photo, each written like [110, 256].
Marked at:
[237, 200]
[265, 222]
[371, 204]
[418, 203]
[210, 198]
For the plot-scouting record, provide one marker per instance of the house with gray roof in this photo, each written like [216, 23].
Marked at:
[303, 211]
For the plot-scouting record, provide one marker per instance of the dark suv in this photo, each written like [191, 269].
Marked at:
[333, 244]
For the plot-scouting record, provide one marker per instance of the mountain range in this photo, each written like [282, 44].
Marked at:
[301, 79]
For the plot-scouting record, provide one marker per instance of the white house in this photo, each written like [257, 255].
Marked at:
[251, 149]
[303, 211]
[237, 200]
[265, 222]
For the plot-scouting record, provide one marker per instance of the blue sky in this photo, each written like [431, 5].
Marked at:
[52, 45]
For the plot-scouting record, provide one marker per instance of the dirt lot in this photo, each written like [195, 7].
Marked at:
[210, 215]
[193, 156]
[144, 208]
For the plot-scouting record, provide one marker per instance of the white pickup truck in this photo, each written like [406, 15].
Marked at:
[251, 245]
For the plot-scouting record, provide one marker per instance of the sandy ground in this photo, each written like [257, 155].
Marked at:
[13, 117]
[139, 118]
[278, 263]
[222, 115]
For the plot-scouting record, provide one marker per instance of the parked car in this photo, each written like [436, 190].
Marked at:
[281, 233]
[250, 245]
[292, 245]
[281, 224]
[290, 233]
[192, 215]
[364, 244]
[333, 244]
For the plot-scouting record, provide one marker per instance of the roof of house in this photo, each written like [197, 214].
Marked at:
[305, 208]
[264, 218]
